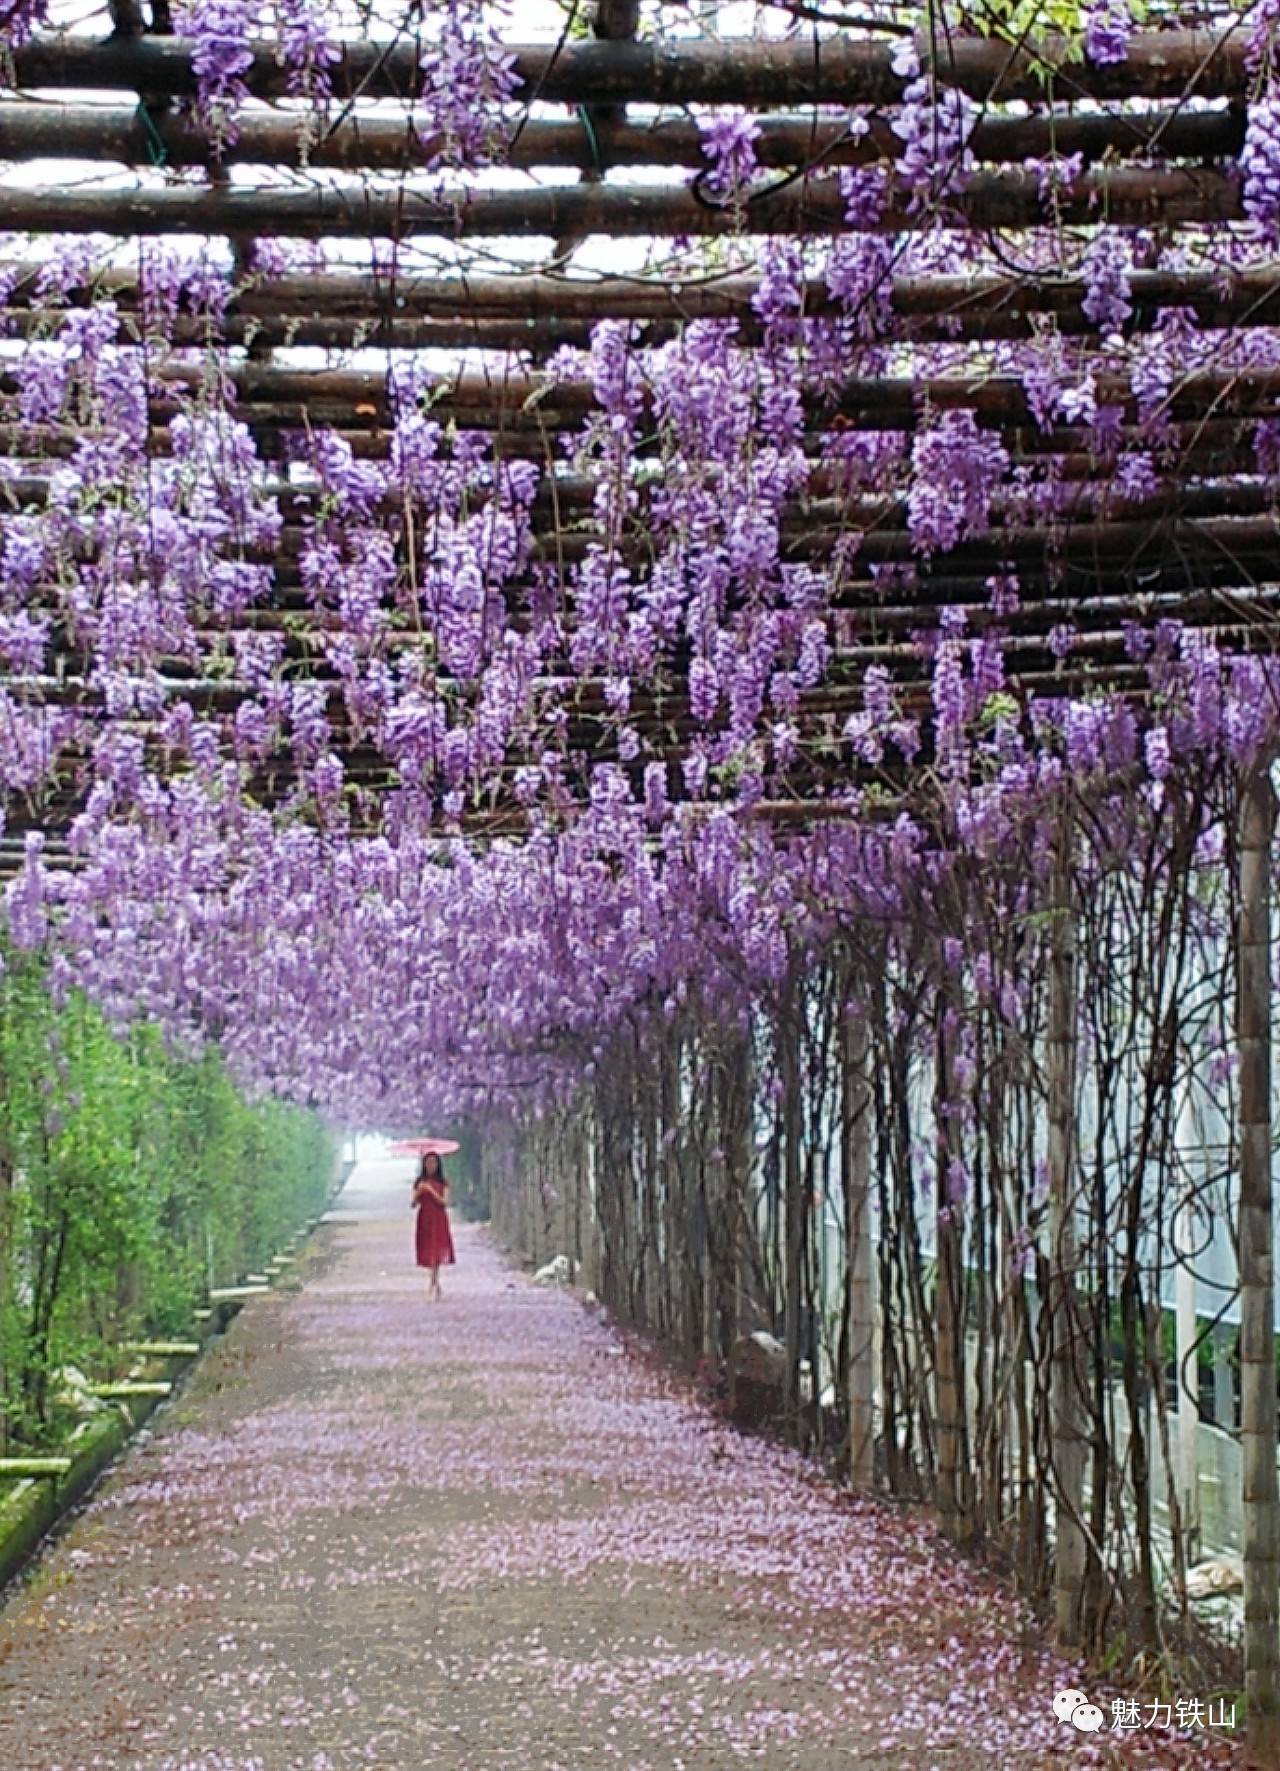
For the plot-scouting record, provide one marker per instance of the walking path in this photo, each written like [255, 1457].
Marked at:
[379, 1532]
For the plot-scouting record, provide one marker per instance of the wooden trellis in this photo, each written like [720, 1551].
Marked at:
[1158, 137]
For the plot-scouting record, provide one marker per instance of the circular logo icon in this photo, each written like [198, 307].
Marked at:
[1087, 1718]
[1066, 1703]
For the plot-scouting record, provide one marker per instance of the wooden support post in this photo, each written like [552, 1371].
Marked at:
[1261, 1498]
[566, 1185]
[1188, 1362]
[948, 1309]
[578, 1159]
[1066, 1378]
[527, 1181]
[794, 1201]
[667, 1178]
[1190, 1146]
[735, 1116]
[856, 1163]
[712, 1209]
[595, 1176]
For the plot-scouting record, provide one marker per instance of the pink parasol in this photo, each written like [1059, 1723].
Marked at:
[424, 1147]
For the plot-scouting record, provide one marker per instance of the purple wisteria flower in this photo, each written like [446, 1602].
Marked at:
[308, 47]
[1107, 264]
[729, 145]
[1260, 165]
[467, 77]
[20, 20]
[956, 468]
[221, 33]
[1107, 29]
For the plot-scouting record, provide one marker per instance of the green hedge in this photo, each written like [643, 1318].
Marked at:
[131, 1181]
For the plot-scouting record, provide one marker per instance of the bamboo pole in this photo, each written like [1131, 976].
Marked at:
[677, 1166]
[510, 396]
[856, 1151]
[224, 695]
[1068, 1444]
[737, 1093]
[1190, 1145]
[667, 718]
[1100, 658]
[1227, 537]
[403, 141]
[839, 69]
[948, 1308]
[1243, 547]
[1211, 446]
[298, 634]
[376, 330]
[594, 1229]
[533, 309]
[795, 1217]
[821, 507]
[1261, 1497]
[1129, 197]
[1237, 553]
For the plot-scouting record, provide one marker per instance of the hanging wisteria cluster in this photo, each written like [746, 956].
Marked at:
[635, 686]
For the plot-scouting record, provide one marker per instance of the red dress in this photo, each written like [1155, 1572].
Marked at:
[434, 1242]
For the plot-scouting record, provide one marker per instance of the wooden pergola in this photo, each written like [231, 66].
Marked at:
[1154, 143]
[603, 139]
[1157, 137]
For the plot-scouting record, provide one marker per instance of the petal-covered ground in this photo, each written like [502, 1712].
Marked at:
[377, 1531]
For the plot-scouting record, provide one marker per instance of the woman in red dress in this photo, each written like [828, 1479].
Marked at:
[434, 1242]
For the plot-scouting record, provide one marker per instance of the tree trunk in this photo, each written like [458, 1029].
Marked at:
[1066, 1376]
[1261, 1533]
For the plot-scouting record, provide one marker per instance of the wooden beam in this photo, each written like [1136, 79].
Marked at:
[339, 310]
[509, 394]
[401, 140]
[840, 69]
[564, 499]
[510, 397]
[1012, 198]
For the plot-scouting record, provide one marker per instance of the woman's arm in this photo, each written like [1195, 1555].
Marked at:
[436, 1190]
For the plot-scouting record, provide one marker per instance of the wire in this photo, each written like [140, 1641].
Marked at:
[157, 152]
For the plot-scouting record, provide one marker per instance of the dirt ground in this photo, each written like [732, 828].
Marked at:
[376, 1531]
